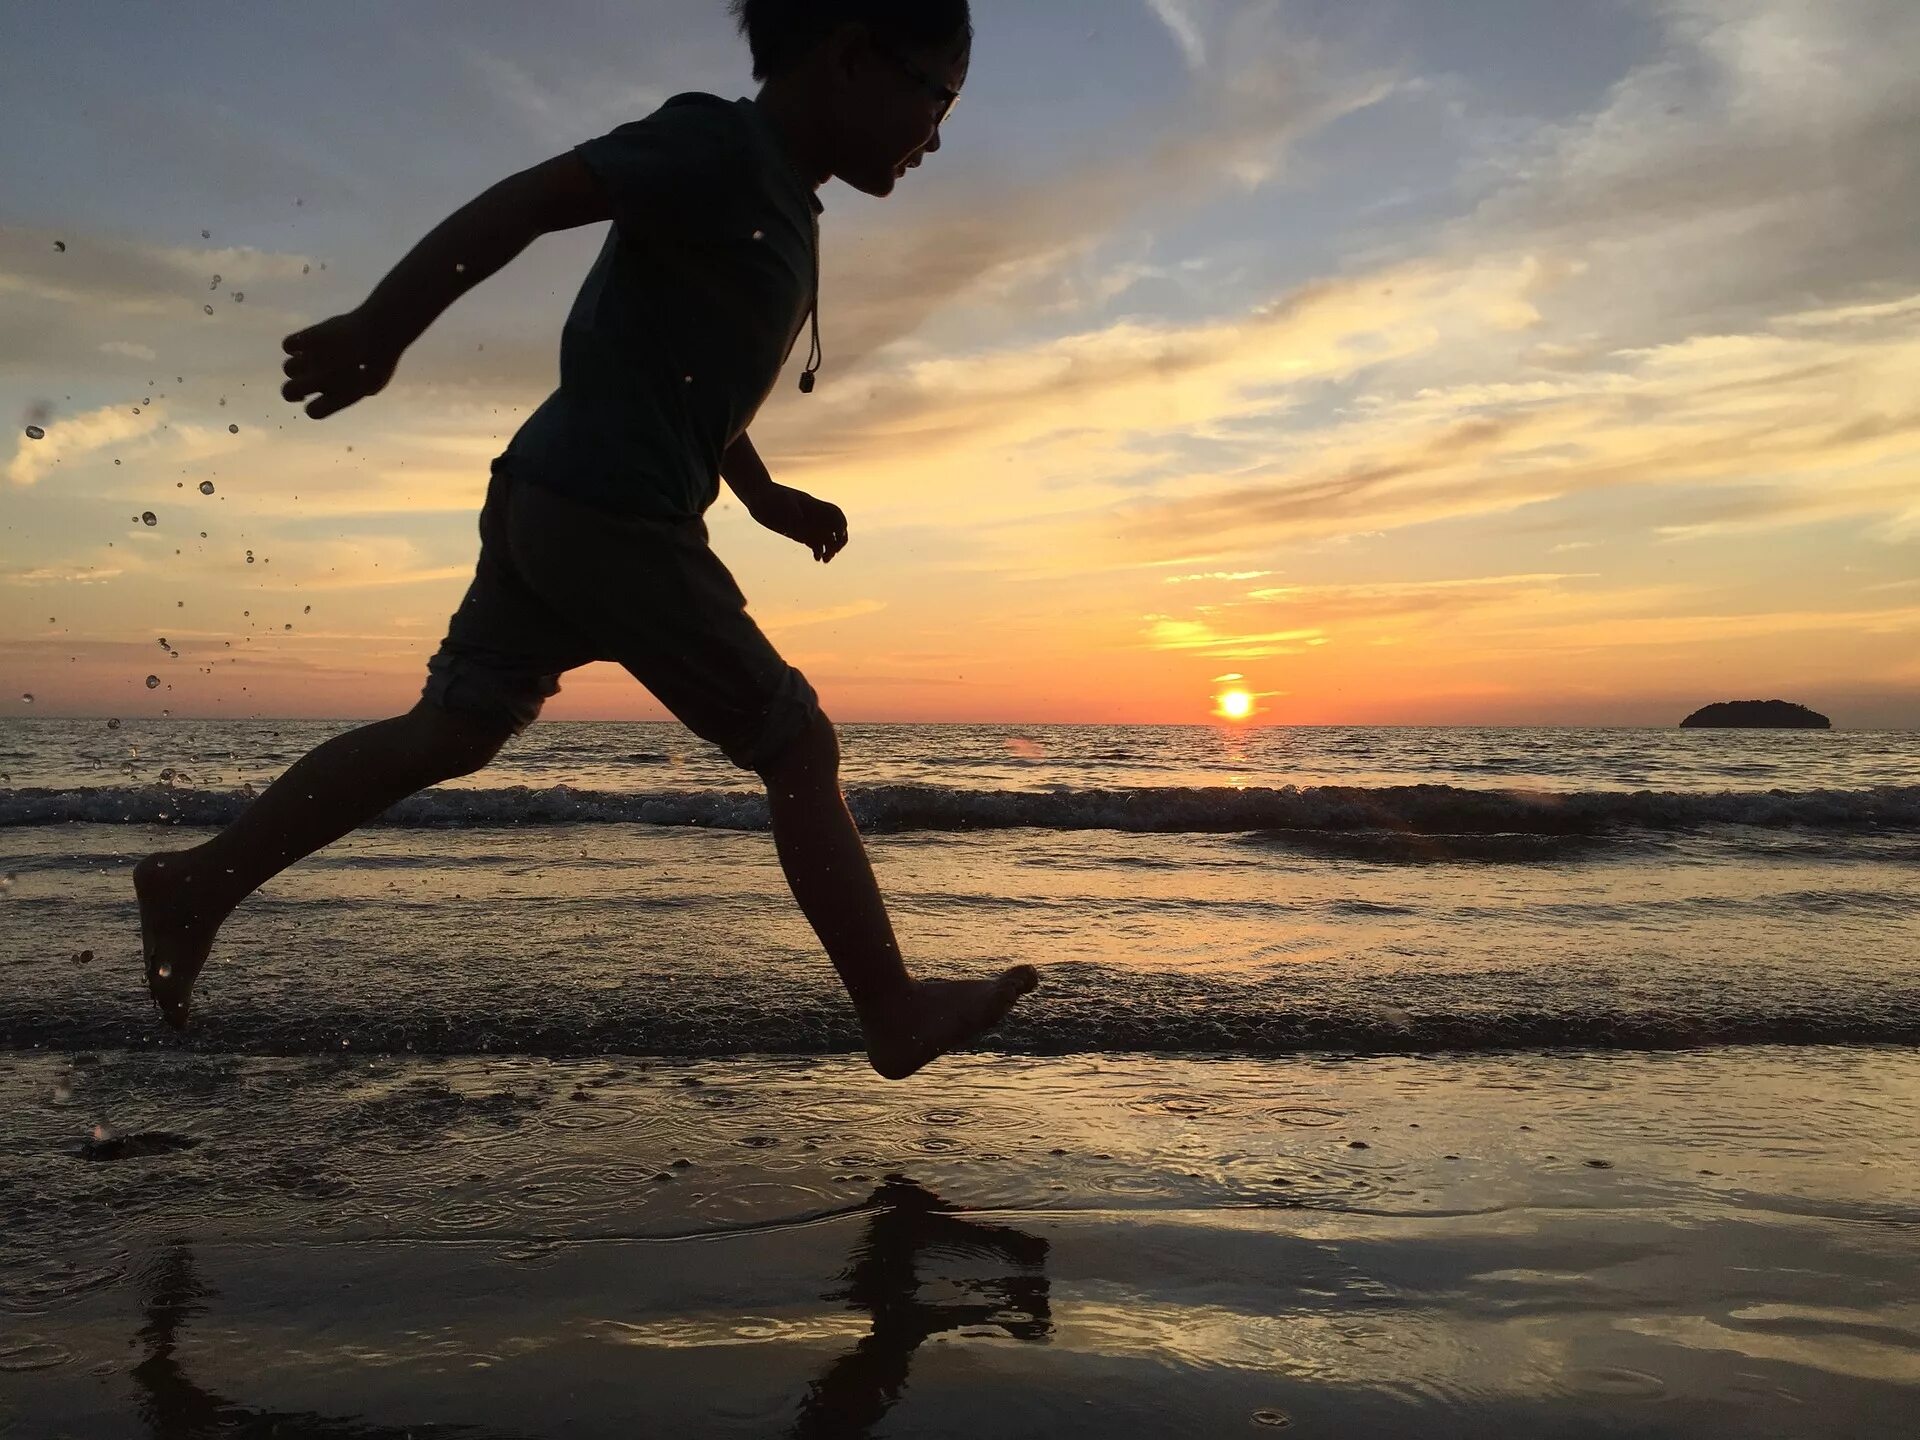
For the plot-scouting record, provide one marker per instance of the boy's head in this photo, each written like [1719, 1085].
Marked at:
[881, 74]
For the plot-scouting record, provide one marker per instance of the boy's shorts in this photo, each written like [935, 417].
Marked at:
[560, 584]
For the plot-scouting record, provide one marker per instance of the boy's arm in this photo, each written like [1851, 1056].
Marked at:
[816, 524]
[744, 472]
[480, 238]
[351, 356]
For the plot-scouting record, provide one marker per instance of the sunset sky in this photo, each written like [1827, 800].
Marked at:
[1486, 362]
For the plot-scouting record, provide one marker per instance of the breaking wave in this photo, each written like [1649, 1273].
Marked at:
[1404, 809]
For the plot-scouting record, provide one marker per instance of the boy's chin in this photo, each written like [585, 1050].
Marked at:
[878, 183]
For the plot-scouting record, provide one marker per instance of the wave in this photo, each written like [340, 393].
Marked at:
[1277, 814]
[1223, 1028]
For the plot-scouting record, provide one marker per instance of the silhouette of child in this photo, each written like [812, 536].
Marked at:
[593, 545]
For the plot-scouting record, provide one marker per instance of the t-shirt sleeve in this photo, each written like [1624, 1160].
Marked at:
[667, 174]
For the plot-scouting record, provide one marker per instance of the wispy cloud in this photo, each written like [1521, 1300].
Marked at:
[1178, 17]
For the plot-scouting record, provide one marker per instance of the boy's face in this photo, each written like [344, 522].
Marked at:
[890, 103]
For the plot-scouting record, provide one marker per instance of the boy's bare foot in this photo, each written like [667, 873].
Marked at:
[176, 931]
[939, 1015]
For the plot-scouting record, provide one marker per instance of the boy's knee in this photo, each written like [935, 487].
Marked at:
[461, 742]
[811, 757]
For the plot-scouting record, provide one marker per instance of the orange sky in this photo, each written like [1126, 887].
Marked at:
[1615, 422]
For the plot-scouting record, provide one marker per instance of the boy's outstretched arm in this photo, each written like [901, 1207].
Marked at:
[351, 356]
[817, 524]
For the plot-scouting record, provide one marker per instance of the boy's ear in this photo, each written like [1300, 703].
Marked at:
[846, 47]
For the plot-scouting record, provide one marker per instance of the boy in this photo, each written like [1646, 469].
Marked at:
[593, 545]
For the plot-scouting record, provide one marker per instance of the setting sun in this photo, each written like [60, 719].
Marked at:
[1236, 704]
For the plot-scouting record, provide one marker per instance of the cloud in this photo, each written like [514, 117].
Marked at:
[1804, 419]
[1180, 22]
[794, 620]
[74, 437]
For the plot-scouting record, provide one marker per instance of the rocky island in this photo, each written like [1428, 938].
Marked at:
[1756, 715]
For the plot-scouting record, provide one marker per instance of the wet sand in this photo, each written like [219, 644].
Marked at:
[1692, 1244]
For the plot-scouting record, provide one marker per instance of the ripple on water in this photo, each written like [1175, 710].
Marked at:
[1306, 1117]
[24, 1352]
[1615, 1382]
[591, 1117]
[470, 1215]
[46, 1284]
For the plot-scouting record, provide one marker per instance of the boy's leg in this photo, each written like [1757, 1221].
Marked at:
[185, 894]
[906, 1022]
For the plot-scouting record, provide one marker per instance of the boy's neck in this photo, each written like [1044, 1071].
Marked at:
[796, 119]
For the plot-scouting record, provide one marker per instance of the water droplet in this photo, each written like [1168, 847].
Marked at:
[223, 400]
[206, 235]
[136, 409]
[113, 724]
[28, 697]
[216, 283]
[206, 488]
[759, 234]
[307, 611]
[34, 432]
[233, 429]
[459, 268]
[147, 517]
[163, 970]
[238, 296]
[207, 308]
[163, 642]
[203, 534]
[61, 246]
[249, 557]
[304, 269]
[153, 682]
[289, 625]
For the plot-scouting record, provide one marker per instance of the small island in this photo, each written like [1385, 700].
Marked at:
[1756, 715]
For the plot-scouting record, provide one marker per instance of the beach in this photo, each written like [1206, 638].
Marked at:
[1380, 1082]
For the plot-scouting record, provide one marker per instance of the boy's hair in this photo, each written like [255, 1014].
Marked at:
[780, 33]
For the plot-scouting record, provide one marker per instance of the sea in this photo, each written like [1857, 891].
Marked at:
[1380, 1081]
[1184, 889]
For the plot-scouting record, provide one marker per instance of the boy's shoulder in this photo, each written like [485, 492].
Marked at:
[692, 114]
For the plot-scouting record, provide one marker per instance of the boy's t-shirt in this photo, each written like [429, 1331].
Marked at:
[687, 316]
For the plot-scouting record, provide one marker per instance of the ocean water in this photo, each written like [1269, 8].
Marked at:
[612, 888]
[1438, 1082]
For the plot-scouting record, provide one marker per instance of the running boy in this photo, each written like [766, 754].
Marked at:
[593, 545]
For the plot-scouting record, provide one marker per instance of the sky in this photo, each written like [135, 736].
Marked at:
[1397, 363]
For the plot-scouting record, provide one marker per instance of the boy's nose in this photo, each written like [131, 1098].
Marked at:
[932, 144]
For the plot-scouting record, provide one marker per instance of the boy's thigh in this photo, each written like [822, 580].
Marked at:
[505, 648]
[653, 596]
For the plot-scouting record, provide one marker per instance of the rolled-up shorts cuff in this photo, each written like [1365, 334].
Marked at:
[472, 685]
[789, 713]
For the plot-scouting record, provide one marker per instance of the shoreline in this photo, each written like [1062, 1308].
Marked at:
[1459, 1246]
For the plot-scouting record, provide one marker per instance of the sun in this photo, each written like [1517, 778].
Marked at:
[1235, 704]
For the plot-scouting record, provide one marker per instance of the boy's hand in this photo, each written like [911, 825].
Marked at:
[340, 360]
[819, 526]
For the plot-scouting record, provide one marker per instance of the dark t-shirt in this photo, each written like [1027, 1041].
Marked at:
[688, 314]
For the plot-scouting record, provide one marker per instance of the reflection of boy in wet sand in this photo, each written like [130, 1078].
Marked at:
[593, 545]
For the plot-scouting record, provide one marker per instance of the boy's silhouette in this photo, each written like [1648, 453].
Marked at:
[593, 545]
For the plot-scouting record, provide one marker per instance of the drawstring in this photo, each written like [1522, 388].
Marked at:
[814, 354]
